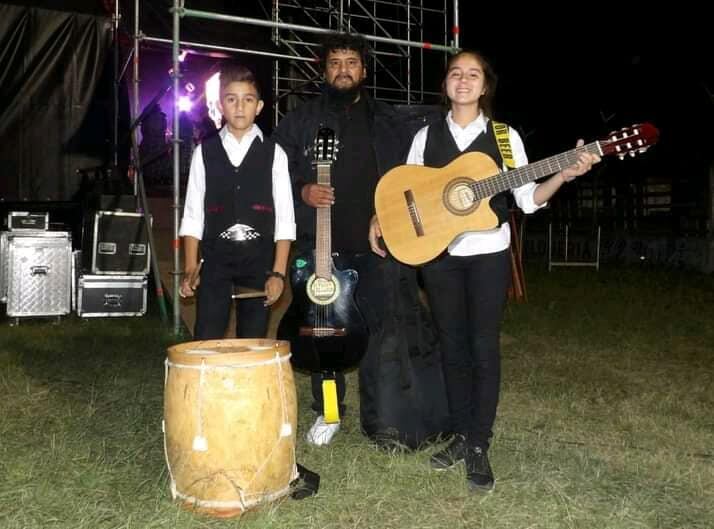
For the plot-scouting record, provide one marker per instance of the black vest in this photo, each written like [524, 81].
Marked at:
[242, 194]
[441, 149]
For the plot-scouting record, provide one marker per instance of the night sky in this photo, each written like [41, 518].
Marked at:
[591, 73]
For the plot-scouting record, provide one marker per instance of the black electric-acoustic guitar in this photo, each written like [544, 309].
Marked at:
[326, 330]
[422, 209]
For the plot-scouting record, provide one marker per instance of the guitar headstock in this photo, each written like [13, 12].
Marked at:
[325, 147]
[630, 140]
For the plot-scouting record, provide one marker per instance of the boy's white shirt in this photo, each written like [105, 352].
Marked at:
[192, 223]
[490, 241]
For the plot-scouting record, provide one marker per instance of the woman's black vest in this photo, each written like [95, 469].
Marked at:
[242, 194]
[441, 149]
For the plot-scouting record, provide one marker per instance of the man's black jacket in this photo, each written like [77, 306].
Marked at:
[296, 134]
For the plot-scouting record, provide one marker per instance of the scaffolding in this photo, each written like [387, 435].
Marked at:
[402, 44]
[397, 63]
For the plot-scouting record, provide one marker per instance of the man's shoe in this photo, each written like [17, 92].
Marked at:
[321, 433]
[478, 470]
[451, 455]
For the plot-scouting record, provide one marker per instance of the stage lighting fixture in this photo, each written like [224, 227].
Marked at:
[184, 104]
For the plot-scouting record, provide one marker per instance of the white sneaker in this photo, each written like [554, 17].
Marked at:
[321, 433]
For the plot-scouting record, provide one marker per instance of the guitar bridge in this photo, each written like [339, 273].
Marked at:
[321, 332]
[414, 213]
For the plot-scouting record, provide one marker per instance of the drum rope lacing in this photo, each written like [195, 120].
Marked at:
[174, 492]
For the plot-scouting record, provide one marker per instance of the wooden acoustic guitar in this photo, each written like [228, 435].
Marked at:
[326, 329]
[422, 209]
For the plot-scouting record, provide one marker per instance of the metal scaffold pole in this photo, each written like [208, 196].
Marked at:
[308, 29]
[456, 30]
[135, 78]
[176, 73]
[115, 90]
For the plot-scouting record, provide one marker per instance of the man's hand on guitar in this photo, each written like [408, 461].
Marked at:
[318, 195]
[375, 234]
[582, 166]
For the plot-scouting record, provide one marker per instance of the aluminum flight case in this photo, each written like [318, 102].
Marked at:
[3, 266]
[39, 274]
[27, 221]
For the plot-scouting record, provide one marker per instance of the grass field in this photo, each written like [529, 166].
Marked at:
[605, 421]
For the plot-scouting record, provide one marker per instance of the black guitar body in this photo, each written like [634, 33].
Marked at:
[323, 337]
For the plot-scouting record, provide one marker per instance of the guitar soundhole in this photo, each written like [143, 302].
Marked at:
[322, 291]
[459, 197]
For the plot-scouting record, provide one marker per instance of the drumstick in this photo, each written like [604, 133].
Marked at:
[247, 295]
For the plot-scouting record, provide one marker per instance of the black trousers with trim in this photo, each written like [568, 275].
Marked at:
[467, 296]
[228, 264]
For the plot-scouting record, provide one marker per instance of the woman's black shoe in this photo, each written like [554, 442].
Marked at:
[478, 470]
[451, 455]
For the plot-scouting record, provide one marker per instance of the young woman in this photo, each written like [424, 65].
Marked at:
[467, 285]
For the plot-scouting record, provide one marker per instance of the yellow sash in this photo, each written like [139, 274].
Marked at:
[504, 143]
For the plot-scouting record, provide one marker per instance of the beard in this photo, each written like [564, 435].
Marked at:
[343, 96]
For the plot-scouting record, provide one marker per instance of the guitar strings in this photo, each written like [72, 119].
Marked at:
[515, 177]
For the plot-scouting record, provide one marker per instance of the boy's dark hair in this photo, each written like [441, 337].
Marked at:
[237, 73]
[343, 41]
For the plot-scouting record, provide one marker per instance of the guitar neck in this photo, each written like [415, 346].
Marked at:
[323, 229]
[533, 171]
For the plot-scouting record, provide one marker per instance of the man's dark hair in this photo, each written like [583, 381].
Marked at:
[343, 41]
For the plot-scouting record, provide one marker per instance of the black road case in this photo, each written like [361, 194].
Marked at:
[108, 296]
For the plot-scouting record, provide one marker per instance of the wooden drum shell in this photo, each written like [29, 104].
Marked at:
[230, 420]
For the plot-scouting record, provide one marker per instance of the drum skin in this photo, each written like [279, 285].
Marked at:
[230, 412]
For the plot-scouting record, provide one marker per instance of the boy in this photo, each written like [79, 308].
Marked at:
[238, 201]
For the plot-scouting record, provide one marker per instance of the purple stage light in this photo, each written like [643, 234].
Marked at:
[185, 104]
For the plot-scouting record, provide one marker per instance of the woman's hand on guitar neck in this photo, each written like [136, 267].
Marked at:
[582, 166]
[375, 234]
[548, 188]
[318, 195]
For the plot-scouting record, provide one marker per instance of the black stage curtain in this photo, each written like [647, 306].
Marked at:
[50, 65]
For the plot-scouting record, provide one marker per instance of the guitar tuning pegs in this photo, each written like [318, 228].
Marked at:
[632, 154]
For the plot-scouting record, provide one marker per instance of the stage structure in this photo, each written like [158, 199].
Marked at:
[396, 30]
[401, 46]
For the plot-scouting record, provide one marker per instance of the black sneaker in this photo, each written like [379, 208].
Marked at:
[478, 470]
[451, 455]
